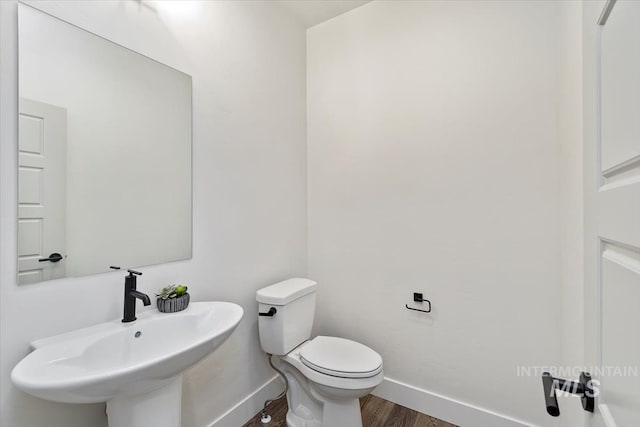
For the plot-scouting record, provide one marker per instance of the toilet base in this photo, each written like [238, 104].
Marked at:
[334, 413]
[342, 413]
[317, 405]
[295, 421]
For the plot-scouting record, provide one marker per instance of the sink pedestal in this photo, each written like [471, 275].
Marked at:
[159, 408]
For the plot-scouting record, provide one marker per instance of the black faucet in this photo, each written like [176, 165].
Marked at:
[130, 296]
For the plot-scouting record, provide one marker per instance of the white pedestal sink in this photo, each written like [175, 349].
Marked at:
[135, 367]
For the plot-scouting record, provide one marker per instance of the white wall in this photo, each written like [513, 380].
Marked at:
[247, 60]
[435, 132]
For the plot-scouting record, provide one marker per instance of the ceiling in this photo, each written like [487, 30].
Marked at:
[313, 12]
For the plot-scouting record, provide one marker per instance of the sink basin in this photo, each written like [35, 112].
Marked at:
[127, 365]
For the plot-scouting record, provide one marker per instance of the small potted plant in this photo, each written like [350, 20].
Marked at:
[173, 298]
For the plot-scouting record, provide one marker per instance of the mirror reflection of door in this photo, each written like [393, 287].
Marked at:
[41, 190]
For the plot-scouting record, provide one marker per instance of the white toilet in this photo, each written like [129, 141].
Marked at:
[326, 375]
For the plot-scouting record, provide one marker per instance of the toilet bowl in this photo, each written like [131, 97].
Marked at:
[326, 375]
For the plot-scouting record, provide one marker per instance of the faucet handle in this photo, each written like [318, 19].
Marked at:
[132, 272]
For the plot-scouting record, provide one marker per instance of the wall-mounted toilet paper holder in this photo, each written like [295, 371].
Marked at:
[417, 297]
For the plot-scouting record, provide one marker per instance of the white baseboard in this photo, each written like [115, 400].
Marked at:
[442, 407]
[244, 410]
[433, 404]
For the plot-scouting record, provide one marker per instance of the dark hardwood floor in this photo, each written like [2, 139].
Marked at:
[376, 412]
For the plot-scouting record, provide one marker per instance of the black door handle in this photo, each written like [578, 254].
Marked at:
[583, 388]
[54, 257]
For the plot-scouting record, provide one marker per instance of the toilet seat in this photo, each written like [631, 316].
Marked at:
[340, 357]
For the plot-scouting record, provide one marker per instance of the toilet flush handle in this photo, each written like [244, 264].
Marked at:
[272, 311]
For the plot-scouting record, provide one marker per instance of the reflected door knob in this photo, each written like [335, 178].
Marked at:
[54, 257]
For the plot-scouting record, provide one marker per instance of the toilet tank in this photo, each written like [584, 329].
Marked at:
[295, 303]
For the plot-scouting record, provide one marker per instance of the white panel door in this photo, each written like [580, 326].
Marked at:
[613, 216]
[41, 190]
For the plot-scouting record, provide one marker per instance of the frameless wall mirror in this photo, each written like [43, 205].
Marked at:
[104, 158]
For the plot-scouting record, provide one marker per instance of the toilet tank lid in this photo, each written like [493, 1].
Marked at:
[286, 291]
